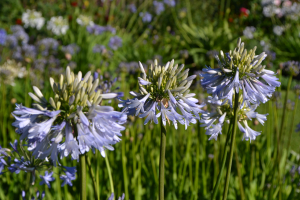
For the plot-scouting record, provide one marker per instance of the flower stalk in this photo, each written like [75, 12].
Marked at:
[162, 161]
[82, 171]
[236, 105]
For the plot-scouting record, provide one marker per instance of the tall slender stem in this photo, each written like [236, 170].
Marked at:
[109, 175]
[82, 176]
[95, 186]
[223, 163]
[162, 161]
[236, 105]
[280, 133]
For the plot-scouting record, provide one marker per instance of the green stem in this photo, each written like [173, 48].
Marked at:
[223, 164]
[82, 169]
[236, 105]
[124, 159]
[109, 175]
[291, 130]
[162, 161]
[239, 176]
[96, 196]
[280, 133]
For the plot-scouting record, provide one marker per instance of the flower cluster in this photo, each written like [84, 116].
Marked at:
[291, 67]
[166, 89]
[83, 20]
[58, 25]
[11, 70]
[249, 31]
[280, 9]
[70, 123]
[97, 29]
[18, 160]
[33, 19]
[33, 198]
[240, 72]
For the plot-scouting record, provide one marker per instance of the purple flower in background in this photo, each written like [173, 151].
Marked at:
[40, 64]
[11, 41]
[159, 7]
[47, 45]
[47, 179]
[115, 42]
[99, 48]
[96, 29]
[29, 51]
[113, 195]
[111, 29]
[67, 179]
[20, 34]
[37, 195]
[2, 36]
[170, 3]
[146, 17]
[70, 49]
[132, 8]
[17, 54]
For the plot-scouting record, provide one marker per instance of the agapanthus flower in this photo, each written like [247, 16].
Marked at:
[170, 3]
[33, 19]
[11, 41]
[222, 112]
[278, 30]
[84, 20]
[113, 195]
[71, 123]
[3, 36]
[132, 7]
[47, 178]
[11, 70]
[96, 29]
[291, 67]
[20, 34]
[158, 7]
[70, 49]
[164, 92]
[29, 52]
[115, 42]
[240, 71]
[69, 177]
[33, 198]
[248, 32]
[58, 25]
[47, 46]
[146, 17]
[99, 48]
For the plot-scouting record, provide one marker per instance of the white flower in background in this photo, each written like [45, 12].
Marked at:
[248, 32]
[11, 70]
[278, 30]
[84, 20]
[58, 25]
[33, 19]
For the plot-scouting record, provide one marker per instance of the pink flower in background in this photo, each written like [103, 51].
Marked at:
[277, 2]
[287, 4]
[244, 12]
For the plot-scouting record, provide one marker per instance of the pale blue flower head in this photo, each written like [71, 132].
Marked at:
[132, 7]
[170, 3]
[240, 71]
[164, 92]
[47, 178]
[115, 42]
[158, 7]
[3, 36]
[71, 123]
[33, 198]
[146, 17]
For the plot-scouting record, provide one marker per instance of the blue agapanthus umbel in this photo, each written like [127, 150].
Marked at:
[70, 123]
[240, 70]
[164, 92]
[221, 112]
